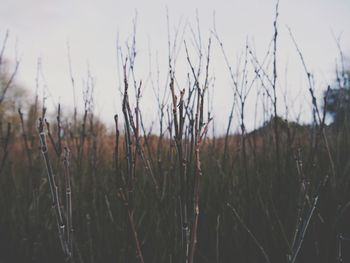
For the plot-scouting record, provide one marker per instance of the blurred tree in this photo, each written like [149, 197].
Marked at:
[338, 99]
[12, 96]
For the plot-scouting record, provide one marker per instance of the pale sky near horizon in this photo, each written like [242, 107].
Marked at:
[42, 29]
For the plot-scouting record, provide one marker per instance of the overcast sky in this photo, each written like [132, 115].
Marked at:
[42, 29]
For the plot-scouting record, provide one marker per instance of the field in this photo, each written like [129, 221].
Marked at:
[73, 190]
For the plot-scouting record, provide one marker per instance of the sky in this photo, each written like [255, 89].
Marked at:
[42, 29]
